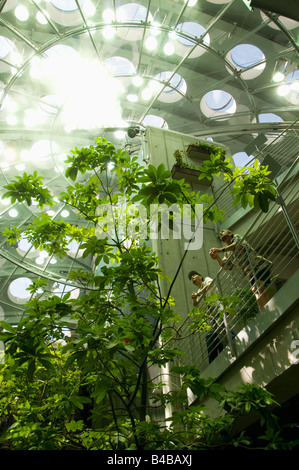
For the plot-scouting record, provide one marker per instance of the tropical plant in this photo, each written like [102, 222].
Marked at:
[181, 159]
[208, 148]
[251, 185]
[97, 388]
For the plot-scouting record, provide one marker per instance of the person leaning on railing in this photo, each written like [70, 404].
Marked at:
[205, 287]
[255, 267]
[202, 283]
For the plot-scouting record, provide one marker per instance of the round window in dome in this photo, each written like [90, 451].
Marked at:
[66, 5]
[248, 58]
[61, 51]
[269, 117]
[155, 121]
[17, 290]
[218, 100]
[60, 289]
[65, 12]
[184, 44]
[132, 12]
[26, 248]
[73, 248]
[119, 66]
[218, 103]
[174, 90]
[246, 55]
[5, 47]
[194, 30]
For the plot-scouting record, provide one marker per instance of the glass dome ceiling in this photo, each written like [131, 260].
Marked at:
[71, 70]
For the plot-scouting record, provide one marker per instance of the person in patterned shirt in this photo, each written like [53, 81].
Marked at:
[256, 268]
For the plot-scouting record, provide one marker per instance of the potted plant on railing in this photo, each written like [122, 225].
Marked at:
[202, 150]
[182, 169]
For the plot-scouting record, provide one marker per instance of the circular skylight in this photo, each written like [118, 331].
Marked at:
[176, 89]
[60, 289]
[247, 56]
[195, 31]
[155, 121]
[218, 100]
[64, 12]
[66, 5]
[218, 103]
[119, 66]
[73, 248]
[26, 248]
[269, 117]
[17, 290]
[5, 47]
[132, 12]
[61, 51]
[13, 213]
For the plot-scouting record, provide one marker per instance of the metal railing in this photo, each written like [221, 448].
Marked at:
[283, 149]
[274, 236]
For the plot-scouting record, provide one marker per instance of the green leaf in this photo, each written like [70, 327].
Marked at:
[151, 172]
[170, 197]
[147, 190]
[47, 363]
[162, 174]
[71, 173]
[78, 401]
[71, 359]
[111, 345]
[263, 202]
[153, 196]
[99, 394]
[6, 337]
[247, 407]
[7, 327]
[271, 194]
[31, 370]
[74, 426]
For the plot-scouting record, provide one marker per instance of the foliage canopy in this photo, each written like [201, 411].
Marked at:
[103, 386]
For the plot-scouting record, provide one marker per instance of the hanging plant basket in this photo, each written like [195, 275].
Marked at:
[202, 151]
[189, 174]
[194, 151]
